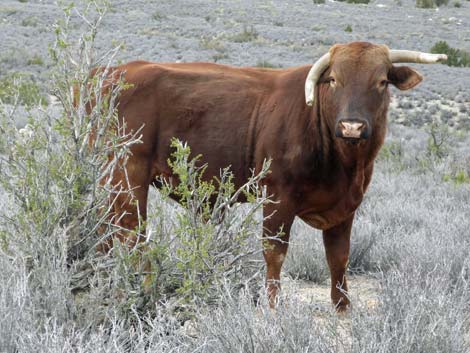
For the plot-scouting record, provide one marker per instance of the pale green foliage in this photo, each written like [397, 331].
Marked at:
[194, 250]
[438, 140]
[455, 57]
[57, 171]
[248, 34]
[430, 3]
[20, 88]
[214, 240]
[392, 152]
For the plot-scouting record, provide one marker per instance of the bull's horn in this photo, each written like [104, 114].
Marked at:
[313, 76]
[408, 56]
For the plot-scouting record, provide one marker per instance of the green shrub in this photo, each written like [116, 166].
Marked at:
[212, 43]
[22, 89]
[53, 173]
[318, 1]
[392, 152]
[219, 56]
[266, 64]
[348, 28]
[158, 16]
[427, 4]
[356, 1]
[36, 60]
[30, 21]
[214, 245]
[438, 140]
[457, 177]
[248, 34]
[455, 57]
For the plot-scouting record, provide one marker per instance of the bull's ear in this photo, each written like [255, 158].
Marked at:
[404, 77]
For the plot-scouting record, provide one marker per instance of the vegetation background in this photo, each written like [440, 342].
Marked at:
[411, 239]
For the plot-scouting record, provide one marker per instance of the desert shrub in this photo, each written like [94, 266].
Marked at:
[348, 29]
[306, 256]
[356, 1]
[20, 88]
[457, 171]
[30, 21]
[212, 236]
[458, 177]
[426, 4]
[406, 217]
[438, 140]
[455, 57]
[238, 326]
[417, 309]
[36, 59]
[248, 34]
[318, 1]
[59, 190]
[212, 43]
[219, 56]
[158, 16]
[392, 151]
[266, 64]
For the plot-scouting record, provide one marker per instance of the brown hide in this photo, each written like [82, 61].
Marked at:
[242, 116]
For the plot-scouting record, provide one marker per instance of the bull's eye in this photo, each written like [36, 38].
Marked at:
[383, 83]
[332, 82]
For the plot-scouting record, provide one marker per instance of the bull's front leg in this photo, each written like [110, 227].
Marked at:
[336, 241]
[276, 231]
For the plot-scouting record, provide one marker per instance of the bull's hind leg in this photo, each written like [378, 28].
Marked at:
[336, 241]
[129, 211]
[277, 225]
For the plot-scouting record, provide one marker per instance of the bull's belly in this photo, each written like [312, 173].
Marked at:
[322, 221]
[316, 220]
[329, 217]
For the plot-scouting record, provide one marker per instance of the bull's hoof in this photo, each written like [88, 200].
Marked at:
[342, 308]
[341, 305]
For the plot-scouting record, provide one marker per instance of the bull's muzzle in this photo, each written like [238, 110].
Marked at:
[352, 129]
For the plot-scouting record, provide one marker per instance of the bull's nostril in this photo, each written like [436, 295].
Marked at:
[351, 129]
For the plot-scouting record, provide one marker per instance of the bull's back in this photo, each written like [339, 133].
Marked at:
[213, 108]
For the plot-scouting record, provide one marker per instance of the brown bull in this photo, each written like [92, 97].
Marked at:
[322, 126]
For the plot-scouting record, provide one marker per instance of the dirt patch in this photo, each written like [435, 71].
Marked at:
[364, 291]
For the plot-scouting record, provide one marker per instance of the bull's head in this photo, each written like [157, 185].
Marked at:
[353, 81]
